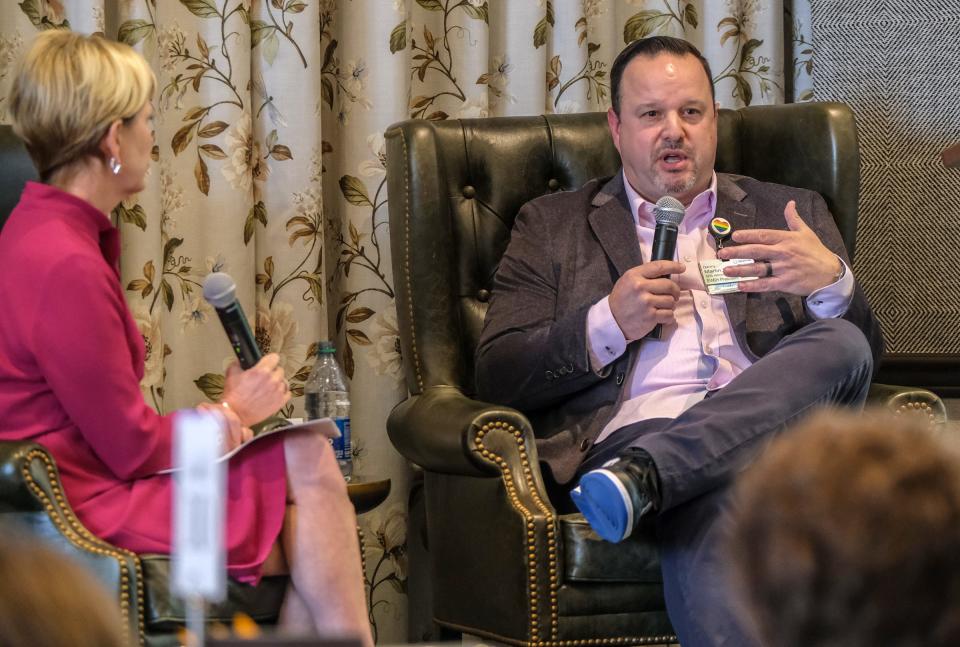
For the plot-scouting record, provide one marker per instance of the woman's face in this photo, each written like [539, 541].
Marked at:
[136, 142]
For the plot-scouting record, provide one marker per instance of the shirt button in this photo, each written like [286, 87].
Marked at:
[687, 259]
[703, 303]
[818, 302]
[584, 444]
[620, 377]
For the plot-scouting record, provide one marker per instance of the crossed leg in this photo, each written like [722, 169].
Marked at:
[320, 549]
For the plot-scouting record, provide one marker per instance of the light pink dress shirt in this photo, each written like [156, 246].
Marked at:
[699, 353]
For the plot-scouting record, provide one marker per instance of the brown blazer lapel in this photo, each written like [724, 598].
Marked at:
[613, 225]
[742, 214]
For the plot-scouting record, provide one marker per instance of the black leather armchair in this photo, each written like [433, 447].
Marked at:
[32, 500]
[503, 563]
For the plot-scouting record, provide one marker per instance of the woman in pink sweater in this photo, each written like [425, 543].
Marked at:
[71, 356]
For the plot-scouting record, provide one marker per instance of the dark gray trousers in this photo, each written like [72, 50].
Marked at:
[699, 453]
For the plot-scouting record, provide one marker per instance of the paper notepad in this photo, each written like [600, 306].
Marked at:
[325, 426]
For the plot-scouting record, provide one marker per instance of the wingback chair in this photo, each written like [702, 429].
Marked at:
[504, 564]
[32, 501]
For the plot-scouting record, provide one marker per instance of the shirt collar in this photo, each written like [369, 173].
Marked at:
[704, 203]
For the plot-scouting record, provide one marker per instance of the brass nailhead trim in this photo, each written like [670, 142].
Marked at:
[406, 263]
[578, 642]
[78, 535]
[533, 593]
[918, 408]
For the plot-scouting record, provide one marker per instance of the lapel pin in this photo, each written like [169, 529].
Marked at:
[721, 230]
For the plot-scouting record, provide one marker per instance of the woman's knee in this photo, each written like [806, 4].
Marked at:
[312, 464]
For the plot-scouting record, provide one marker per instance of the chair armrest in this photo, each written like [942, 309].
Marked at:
[15, 493]
[32, 501]
[442, 430]
[909, 401]
[491, 521]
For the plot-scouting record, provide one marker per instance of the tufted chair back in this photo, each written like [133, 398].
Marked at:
[456, 187]
[16, 170]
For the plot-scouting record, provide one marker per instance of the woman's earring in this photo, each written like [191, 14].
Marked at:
[115, 166]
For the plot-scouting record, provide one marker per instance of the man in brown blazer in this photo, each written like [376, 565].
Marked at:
[660, 426]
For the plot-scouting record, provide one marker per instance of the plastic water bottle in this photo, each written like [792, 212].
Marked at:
[325, 396]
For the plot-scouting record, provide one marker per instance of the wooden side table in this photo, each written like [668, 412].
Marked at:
[366, 494]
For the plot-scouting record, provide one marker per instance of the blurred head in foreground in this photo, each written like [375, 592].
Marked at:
[847, 533]
[47, 600]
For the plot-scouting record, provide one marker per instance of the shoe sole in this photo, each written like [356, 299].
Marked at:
[591, 507]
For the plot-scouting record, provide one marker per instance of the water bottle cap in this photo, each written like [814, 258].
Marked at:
[326, 347]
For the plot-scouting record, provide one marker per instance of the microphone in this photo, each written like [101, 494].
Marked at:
[668, 213]
[221, 292]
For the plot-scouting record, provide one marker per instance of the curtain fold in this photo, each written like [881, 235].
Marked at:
[269, 165]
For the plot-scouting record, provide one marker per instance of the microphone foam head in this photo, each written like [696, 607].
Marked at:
[219, 289]
[668, 211]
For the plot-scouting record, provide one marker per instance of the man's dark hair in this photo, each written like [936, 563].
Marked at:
[649, 48]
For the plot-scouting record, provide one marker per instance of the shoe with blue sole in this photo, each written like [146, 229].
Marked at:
[614, 497]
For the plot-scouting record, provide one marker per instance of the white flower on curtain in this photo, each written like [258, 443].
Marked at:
[171, 198]
[385, 358]
[744, 12]
[474, 107]
[170, 41]
[9, 51]
[196, 312]
[594, 8]
[498, 80]
[376, 167]
[148, 324]
[98, 19]
[277, 330]
[244, 163]
[352, 82]
[215, 264]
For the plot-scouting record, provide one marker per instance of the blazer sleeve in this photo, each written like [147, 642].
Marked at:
[532, 352]
[859, 312]
[82, 350]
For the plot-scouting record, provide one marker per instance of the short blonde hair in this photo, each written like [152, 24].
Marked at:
[68, 89]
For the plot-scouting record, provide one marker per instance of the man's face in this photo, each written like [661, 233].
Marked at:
[667, 129]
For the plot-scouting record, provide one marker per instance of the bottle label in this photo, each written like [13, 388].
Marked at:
[341, 445]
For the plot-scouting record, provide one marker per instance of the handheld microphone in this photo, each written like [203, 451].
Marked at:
[668, 213]
[221, 292]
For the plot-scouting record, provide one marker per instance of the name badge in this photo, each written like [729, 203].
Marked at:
[719, 283]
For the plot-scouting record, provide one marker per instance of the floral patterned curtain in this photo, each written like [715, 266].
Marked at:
[269, 165]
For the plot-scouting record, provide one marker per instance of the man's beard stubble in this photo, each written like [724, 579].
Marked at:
[668, 185]
[677, 186]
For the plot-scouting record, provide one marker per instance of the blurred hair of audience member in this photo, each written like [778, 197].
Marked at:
[48, 600]
[847, 533]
